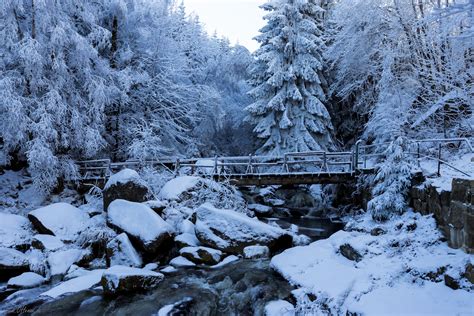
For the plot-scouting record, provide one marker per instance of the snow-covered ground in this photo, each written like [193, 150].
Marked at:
[400, 272]
[443, 182]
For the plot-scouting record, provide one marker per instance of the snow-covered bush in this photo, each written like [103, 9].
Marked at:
[393, 179]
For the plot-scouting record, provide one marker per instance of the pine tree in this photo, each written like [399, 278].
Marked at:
[289, 111]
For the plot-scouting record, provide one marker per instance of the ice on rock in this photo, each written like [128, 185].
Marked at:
[60, 219]
[174, 188]
[26, 280]
[141, 224]
[120, 251]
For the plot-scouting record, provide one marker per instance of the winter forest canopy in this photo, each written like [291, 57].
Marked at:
[140, 79]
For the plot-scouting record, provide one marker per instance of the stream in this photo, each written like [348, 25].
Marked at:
[242, 287]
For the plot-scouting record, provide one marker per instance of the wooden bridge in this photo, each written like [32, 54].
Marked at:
[316, 167]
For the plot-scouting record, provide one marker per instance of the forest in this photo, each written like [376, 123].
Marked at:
[143, 80]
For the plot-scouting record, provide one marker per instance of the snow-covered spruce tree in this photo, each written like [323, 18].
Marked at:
[392, 182]
[289, 112]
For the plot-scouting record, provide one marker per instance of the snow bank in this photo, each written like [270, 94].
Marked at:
[174, 188]
[279, 308]
[61, 219]
[124, 176]
[398, 271]
[140, 222]
[81, 283]
[15, 230]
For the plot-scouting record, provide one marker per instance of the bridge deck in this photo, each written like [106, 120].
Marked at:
[287, 178]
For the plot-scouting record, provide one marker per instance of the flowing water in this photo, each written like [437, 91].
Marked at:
[239, 288]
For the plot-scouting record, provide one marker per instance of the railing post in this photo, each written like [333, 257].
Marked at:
[249, 166]
[285, 163]
[325, 162]
[439, 159]
[215, 166]
[176, 166]
[355, 165]
[419, 153]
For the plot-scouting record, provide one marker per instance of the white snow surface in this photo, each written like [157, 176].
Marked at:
[13, 258]
[174, 188]
[124, 176]
[187, 239]
[225, 261]
[257, 251]
[81, 283]
[390, 278]
[14, 230]
[138, 220]
[49, 242]
[279, 308]
[235, 226]
[444, 182]
[26, 280]
[123, 252]
[181, 262]
[63, 219]
[60, 261]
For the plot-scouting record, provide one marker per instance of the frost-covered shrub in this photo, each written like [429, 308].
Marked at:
[154, 178]
[392, 182]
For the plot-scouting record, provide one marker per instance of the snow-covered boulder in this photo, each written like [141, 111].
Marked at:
[177, 188]
[279, 308]
[12, 263]
[60, 219]
[84, 282]
[181, 262]
[125, 185]
[256, 252]
[186, 240]
[121, 280]
[156, 205]
[26, 280]
[201, 255]
[46, 242]
[231, 232]
[120, 252]
[60, 261]
[260, 210]
[15, 231]
[146, 228]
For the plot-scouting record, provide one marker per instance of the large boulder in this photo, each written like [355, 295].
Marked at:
[12, 263]
[144, 227]
[61, 220]
[120, 252]
[15, 231]
[125, 185]
[60, 261]
[231, 232]
[122, 280]
[201, 255]
[176, 189]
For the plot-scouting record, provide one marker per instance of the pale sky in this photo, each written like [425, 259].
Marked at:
[238, 20]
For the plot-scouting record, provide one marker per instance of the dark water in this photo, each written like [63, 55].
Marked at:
[239, 288]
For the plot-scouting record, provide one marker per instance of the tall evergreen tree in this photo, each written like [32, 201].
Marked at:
[289, 111]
